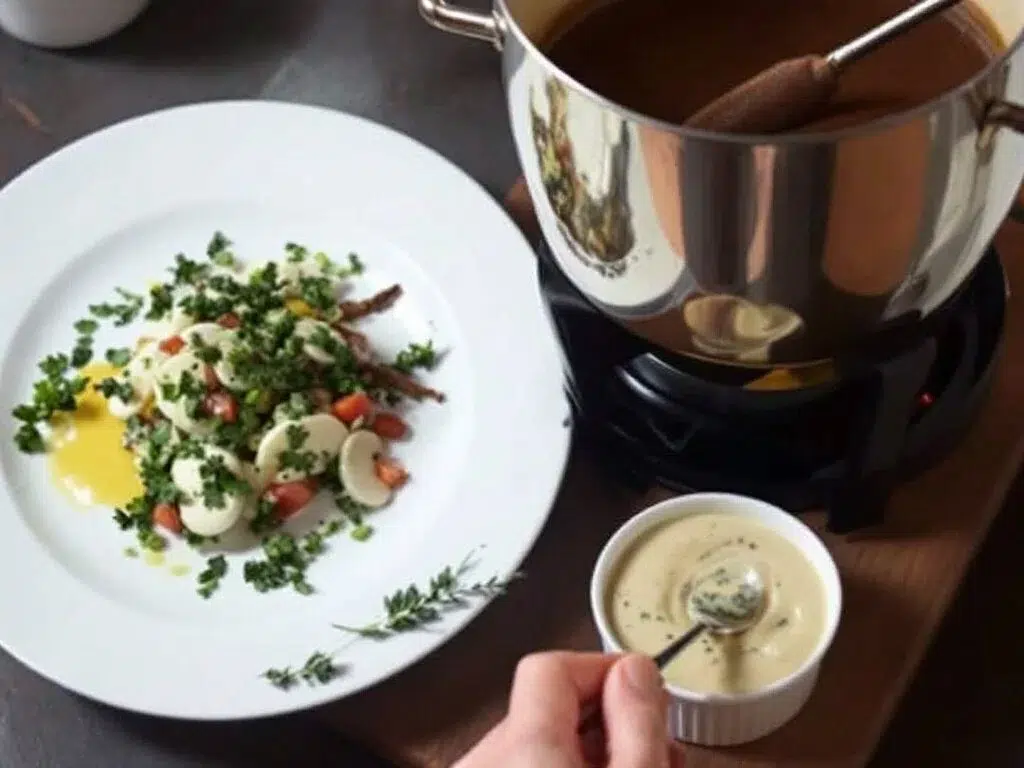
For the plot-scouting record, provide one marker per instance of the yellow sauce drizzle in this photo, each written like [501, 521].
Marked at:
[87, 460]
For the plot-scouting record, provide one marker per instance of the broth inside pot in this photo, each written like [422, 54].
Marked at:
[669, 58]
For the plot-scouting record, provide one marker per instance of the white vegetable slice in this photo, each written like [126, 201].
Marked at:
[357, 471]
[322, 435]
[141, 374]
[305, 329]
[171, 371]
[210, 334]
[119, 409]
[224, 369]
[195, 514]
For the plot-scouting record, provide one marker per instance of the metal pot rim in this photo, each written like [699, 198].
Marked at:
[508, 24]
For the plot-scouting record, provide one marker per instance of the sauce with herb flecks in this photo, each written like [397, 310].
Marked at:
[651, 584]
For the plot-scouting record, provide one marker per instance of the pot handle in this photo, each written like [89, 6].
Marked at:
[1005, 114]
[463, 21]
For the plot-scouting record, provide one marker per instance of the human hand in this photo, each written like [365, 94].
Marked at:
[549, 695]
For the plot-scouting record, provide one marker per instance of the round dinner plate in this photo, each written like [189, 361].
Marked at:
[112, 210]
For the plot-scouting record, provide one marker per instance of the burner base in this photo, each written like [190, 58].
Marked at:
[841, 446]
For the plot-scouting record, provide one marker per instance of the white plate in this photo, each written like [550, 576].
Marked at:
[113, 209]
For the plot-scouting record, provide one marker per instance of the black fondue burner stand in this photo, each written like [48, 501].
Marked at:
[659, 419]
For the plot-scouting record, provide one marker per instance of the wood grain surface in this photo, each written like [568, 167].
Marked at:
[899, 582]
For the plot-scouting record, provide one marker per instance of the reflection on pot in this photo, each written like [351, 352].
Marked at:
[737, 329]
[593, 214]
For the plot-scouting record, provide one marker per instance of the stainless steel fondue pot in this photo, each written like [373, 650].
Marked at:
[758, 250]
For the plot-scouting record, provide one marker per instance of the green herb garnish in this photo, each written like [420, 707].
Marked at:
[119, 357]
[123, 313]
[416, 356]
[412, 608]
[319, 669]
[209, 579]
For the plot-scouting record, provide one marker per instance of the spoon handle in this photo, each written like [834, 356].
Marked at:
[592, 717]
[855, 49]
[663, 658]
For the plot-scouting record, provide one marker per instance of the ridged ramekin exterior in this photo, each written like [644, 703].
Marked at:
[723, 720]
[725, 723]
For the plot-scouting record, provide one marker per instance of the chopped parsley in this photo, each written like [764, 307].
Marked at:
[264, 519]
[303, 462]
[219, 251]
[187, 272]
[122, 313]
[86, 327]
[209, 579]
[120, 388]
[284, 564]
[416, 356]
[219, 482]
[54, 393]
[119, 357]
[161, 301]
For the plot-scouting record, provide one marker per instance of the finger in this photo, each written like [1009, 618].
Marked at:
[677, 757]
[550, 688]
[636, 723]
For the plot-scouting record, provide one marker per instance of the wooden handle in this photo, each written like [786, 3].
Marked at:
[784, 97]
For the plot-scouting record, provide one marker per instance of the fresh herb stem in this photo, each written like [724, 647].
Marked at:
[319, 669]
[414, 607]
[405, 610]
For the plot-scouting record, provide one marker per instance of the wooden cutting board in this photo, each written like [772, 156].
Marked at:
[899, 582]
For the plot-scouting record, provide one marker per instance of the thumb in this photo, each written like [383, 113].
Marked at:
[636, 724]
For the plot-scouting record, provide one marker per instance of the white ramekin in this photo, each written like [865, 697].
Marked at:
[725, 719]
[66, 23]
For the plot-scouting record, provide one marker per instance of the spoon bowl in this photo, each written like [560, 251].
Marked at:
[726, 599]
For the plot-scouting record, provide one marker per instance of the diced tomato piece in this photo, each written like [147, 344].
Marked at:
[210, 378]
[390, 472]
[351, 407]
[229, 320]
[167, 516]
[172, 345]
[289, 498]
[221, 405]
[389, 426]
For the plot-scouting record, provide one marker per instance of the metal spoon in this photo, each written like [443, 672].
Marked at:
[726, 599]
[789, 94]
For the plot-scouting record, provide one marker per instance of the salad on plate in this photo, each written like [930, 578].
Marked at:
[249, 390]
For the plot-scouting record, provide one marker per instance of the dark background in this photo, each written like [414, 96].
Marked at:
[376, 58]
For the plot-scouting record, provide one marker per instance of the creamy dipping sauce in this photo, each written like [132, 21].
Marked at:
[651, 582]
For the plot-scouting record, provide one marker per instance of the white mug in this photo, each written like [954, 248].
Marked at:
[66, 23]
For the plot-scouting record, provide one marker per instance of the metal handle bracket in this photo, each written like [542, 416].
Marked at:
[463, 21]
[1005, 114]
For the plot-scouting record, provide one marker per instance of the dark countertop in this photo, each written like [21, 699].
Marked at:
[374, 58]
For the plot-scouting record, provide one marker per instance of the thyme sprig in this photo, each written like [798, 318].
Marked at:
[405, 610]
[319, 669]
[413, 607]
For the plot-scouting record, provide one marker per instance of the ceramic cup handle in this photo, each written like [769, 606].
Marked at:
[463, 21]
